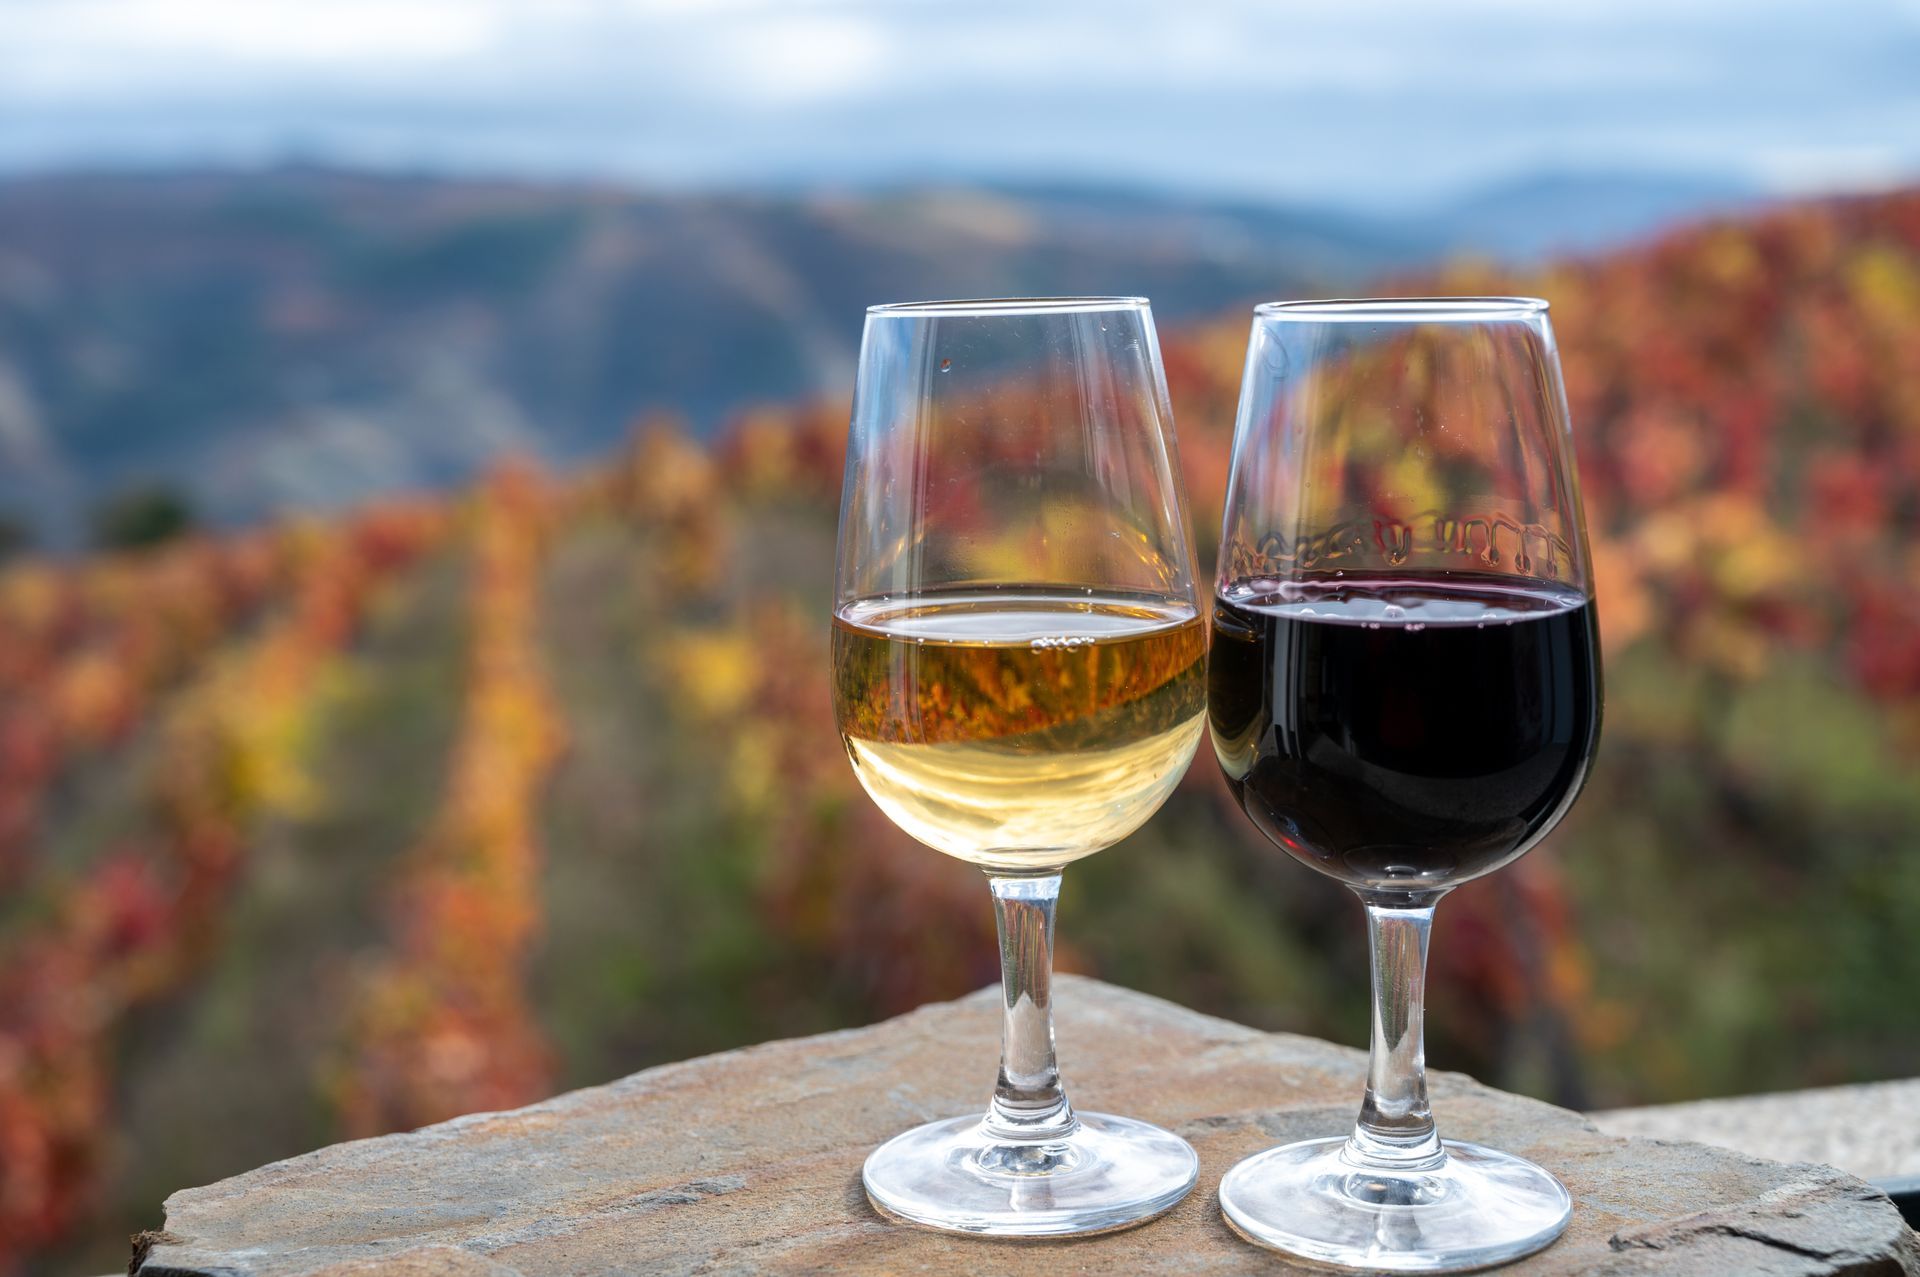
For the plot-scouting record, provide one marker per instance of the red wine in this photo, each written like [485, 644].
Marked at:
[1404, 734]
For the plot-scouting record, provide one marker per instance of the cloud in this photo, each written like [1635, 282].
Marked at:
[800, 57]
[1237, 95]
[88, 44]
[1833, 166]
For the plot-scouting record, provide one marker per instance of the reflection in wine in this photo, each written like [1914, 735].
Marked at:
[1020, 730]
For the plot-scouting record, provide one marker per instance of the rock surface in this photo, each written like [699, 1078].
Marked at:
[749, 1162]
[1872, 1130]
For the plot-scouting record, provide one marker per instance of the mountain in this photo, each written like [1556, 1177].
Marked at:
[308, 337]
[1518, 221]
[1533, 217]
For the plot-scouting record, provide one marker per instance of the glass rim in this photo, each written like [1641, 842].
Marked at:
[1426, 310]
[984, 306]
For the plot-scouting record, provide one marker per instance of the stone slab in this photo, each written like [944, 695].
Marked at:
[1871, 1130]
[749, 1162]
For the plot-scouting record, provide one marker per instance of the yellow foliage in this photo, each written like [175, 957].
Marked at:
[1884, 284]
[1624, 607]
[1728, 644]
[470, 887]
[714, 670]
[1728, 257]
[30, 595]
[754, 777]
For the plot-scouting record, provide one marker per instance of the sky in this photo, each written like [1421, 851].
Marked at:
[1381, 103]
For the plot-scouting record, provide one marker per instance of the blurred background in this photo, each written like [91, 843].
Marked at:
[420, 432]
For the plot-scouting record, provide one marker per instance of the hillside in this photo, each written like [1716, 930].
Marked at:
[337, 826]
[306, 338]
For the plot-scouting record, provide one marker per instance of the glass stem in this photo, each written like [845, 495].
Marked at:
[1029, 1104]
[1396, 1130]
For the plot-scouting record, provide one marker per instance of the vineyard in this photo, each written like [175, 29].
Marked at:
[338, 827]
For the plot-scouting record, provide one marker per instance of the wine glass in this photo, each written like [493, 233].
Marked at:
[1019, 675]
[1404, 695]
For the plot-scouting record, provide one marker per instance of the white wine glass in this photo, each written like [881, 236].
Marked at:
[1019, 674]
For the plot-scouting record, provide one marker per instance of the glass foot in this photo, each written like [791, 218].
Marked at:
[1478, 1207]
[1112, 1172]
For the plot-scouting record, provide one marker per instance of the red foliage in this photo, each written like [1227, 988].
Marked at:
[1746, 403]
[442, 1025]
[143, 918]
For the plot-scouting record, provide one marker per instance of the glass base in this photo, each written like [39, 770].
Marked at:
[1112, 1172]
[1477, 1208]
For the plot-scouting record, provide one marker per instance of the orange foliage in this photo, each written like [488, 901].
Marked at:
[841, 882]
[442, 1025]
[90, 647]
[145, 917]
[1746, 406]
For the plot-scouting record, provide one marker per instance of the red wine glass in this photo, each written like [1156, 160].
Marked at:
[1404, 694]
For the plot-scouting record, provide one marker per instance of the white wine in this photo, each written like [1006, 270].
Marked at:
[1019, 730]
